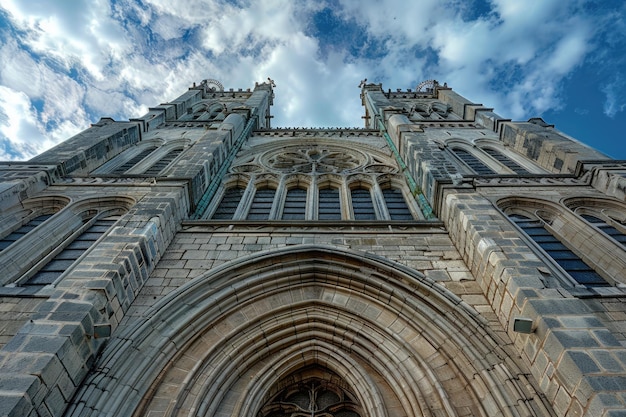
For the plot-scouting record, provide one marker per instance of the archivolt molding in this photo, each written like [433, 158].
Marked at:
[226, 339]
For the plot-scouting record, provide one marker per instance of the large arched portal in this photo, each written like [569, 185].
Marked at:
[309, 331]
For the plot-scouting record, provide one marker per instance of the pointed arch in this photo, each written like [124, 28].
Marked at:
[222, 344]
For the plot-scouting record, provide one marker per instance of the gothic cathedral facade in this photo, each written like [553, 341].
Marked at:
[439, 261]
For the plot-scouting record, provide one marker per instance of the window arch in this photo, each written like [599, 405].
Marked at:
[505, 160]
[229, 203]
[163, 162]
[33, 260]
[558, 236]
[607, 216]
[472, 161]
[50, 272]
[143, 153]
[17, 225]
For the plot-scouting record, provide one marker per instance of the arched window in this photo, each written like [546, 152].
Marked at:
[473, 162]
[134, 160]
[601, 224]
[562, 255]
[329, 204]
[70, 253]
[228, 205]
[506, 161]
[362, 205]
[162, 163]
[396, 205]
[295, 204]
[261, 204]
[23, 230]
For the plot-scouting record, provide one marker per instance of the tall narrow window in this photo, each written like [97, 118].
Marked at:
[473, 162]
[133, 161]
[362, 204]
[160, 165]
[506, 161]
[262, 204]
[606, 228]
[64, 259]
[396, 206]
[329, 204]
[20, 232]
[228, 205]
[295, 204]
[568, 260]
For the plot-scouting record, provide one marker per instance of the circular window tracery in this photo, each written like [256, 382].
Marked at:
[314, 159]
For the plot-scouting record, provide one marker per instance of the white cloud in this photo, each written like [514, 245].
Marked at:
[90, 59]
[20, 130]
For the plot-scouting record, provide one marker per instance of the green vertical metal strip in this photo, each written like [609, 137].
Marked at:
[217, 178]
[415, 189]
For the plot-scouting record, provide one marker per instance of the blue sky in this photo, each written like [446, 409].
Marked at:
[67, 63]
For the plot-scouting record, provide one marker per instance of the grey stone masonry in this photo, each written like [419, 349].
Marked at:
[92, 147]
[546, 146]
[44, 363]
[577, 360]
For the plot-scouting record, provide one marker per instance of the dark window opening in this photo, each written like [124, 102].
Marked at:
[362, 204]
[295, 204]
[506, 161]
[133, 161]
[329, 204]
[228, 205]
[568, 260]
[64, 259]
[23, 230]
[262, 204]
[396, 206]
[160, 165]
[474, 163]
[606, 228]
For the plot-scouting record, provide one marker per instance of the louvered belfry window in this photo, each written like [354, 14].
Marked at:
[562, 255]
[64, 259]
[362, 204]
[295, 204]
[396, 206]
[329, 204]
[13, 237]
[261, 204]
[473, 162]
[228, 205]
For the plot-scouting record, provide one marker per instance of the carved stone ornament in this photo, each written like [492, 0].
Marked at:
[314, 159]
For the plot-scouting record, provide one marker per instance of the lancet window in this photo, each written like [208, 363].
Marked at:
[362, 205]
[537, 229]
[329, 204]
[396, 205]
[52, 270]
[261, 206]
[475, 164]
[22, 231]
[506, 161]
[295, 204]
[228, 205]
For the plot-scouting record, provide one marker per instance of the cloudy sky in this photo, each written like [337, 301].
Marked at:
[66, 63]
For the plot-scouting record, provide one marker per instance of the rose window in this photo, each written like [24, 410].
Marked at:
[314, 160]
